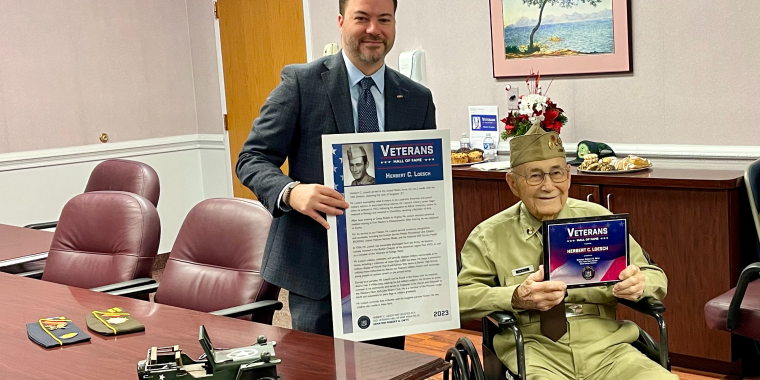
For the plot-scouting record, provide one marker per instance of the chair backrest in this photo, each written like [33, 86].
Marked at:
[124, 175]
[103, 238]
[216, 260]
[752, 182]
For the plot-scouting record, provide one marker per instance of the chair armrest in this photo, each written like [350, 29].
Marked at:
[136, 291]
[503, 319]
[42, 226]
[647, 305]
[239, 311]
[124, 285]
[734, 309]
[36, 274]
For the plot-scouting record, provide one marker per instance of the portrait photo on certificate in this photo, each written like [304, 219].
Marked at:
[392, 252]
[583, 252]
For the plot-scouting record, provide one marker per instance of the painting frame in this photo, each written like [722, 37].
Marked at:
[621, 61]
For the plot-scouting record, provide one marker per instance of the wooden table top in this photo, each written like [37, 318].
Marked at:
[654, 177]
[17, 242]
[304, 355]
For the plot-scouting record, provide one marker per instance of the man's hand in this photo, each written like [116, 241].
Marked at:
[312, 199]
[536, 294]
[631, 285]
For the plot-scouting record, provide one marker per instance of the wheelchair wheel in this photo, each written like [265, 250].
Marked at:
[465, 361]
[458, 370]
[467, 349]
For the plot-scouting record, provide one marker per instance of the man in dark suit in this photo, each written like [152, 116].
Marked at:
[350, 92]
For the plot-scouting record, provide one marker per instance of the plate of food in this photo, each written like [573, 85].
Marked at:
[613, 165]
[466, 157]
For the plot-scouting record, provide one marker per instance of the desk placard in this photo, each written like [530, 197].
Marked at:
[583, 252]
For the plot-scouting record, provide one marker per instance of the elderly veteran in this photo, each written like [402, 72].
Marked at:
[590, 343]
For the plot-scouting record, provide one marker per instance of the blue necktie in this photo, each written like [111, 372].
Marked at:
[367, 108]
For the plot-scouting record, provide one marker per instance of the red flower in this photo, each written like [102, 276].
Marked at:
[509, 127]
[550, 115]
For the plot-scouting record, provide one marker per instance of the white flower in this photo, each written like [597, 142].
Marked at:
[531, 101]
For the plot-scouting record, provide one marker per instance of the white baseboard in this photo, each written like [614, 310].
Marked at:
[35, 185]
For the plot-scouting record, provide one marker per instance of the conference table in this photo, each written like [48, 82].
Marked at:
[22, 249]
[303, 355]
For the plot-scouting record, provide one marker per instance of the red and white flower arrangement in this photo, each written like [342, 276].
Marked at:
[535, 107]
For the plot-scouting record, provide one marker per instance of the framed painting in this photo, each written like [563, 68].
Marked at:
[560, 37]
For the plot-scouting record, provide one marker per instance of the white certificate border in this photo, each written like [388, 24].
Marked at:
[332, 234]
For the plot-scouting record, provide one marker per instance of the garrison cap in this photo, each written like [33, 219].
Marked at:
[113, 321]
[535, 145]
[356, 152]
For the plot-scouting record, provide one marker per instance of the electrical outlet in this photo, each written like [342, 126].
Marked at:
[513, 97]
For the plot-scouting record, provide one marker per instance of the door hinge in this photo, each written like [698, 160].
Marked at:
[216, 10]
[226, 125]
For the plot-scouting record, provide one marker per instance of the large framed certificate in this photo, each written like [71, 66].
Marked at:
[392, 252]
[584, 252]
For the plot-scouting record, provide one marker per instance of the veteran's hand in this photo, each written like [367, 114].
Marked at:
[536, 294]
[311, 199]
[631, 285]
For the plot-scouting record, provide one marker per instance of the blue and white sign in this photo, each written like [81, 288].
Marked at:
[483, 120]
[392, 252]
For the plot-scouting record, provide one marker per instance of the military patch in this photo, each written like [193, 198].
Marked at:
[116, 321]
[552, 141]
[54, 324]
[68, 336]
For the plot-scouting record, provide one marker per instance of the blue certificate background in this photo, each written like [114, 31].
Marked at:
[603, 266]
[388, 169]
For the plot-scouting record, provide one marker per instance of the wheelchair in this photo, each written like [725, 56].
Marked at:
[466, 364]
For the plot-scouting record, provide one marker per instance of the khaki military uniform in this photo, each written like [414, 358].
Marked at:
[594, 346]
[366, 180]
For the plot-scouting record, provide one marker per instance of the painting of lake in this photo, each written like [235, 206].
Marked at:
[555, 28]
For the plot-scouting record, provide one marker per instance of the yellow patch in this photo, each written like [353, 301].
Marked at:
[68, 336]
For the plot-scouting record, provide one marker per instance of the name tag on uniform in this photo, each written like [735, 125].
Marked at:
[523, 270]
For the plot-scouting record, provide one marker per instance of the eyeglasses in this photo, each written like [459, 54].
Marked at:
[536, 177]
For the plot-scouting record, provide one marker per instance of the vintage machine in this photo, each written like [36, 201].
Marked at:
[255, 362]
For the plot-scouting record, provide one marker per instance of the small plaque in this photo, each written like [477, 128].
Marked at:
[584, 252]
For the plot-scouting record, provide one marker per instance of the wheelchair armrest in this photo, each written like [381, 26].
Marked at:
[42, 226]
[503, 319]
[734, 309]
[251, 308]
[647, 305]
[124, 285]
[35, 274]
[135, 291]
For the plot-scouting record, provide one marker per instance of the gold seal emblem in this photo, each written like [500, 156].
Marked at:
[68, 336]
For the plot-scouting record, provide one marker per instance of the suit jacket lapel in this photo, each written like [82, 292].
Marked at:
[336, 82]
[395, 98]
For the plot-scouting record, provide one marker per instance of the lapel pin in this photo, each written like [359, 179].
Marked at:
[399, 96]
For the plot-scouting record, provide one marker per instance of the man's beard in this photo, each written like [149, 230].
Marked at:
[374, 55]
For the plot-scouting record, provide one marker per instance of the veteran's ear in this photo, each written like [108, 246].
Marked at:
[512, 182]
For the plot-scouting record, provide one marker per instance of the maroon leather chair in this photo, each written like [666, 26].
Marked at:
[124, 175]
[119, 175]
[738, 310]
[215, 264]
[104, 238]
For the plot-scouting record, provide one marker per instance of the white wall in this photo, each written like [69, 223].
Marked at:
[135, 69]
[34, 186]
[695, 70]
